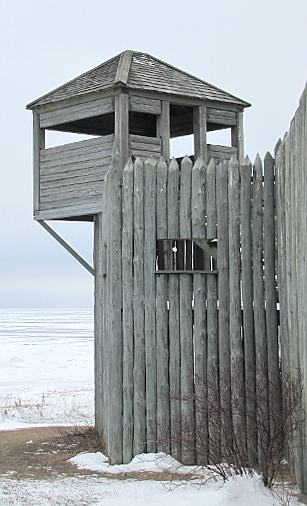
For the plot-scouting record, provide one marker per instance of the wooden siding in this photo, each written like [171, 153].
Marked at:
[77, 112]
[73, 174]
[144, 147]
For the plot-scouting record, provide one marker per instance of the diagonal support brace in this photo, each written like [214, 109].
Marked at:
[70, 250]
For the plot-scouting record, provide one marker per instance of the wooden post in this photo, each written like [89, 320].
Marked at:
[121, 137]
[259, 308]
[163, 129]
[237, 136]
[270, 290]
[248, 316]
[200, 132]
[236, 348]
[223, 294]
[174, 314]
[163, 400]
[98, 325]
[186, 324]
[38, 144]
[213, 348]
[150, 176]
[138, 312]
[200, 320]
[114, 307]
[128, 341]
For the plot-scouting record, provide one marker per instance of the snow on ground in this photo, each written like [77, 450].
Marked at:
[46, 367]
[94, 491]
[46, 377]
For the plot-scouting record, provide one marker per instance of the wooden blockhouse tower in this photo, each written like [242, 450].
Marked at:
[133, 104]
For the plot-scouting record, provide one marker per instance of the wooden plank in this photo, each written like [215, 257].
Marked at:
[223, 294]
[98, 325]
[87, 178]
[74, 188]
[163, 129]
[138, 313]
[212, 345]
[144, 154]
[97, 142]
[38, 145]
[220, 153]
[121, 136]
[77, 112]
[186, 324]
[259, 311]
[128, 341]
[114, 308]
[248, 316]
[174, 315]
[236, 344]
[123, 68]
[150, 176]
[74, 168]
[88, 208]
[145, 105]
[237, 136]
[51, 198]
[200, 131]
[211, 201]
[270, 290]
[68, 160]
[163, 394]
[200, 319]
[221, 117]
[144, 139]
[79, 172]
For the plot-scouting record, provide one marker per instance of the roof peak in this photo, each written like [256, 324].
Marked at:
[138, 70]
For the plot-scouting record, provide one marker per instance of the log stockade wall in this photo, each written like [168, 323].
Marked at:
[186, 305]
[291, 190]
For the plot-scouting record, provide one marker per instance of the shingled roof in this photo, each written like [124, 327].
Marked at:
[138, 70]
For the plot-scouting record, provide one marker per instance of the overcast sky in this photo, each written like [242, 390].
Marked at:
[255, 49]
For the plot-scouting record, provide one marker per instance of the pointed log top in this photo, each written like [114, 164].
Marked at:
[268, 158]
[258, 162]
[174, 165]
[186, 163]
[246, 161]
[233, 162]
[161, 165]
[138, 163]
[151, 161]
[200, 163]
[277, 145]
[211, 165]
[129, 165]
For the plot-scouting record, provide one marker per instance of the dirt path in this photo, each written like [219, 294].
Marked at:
[42, 453]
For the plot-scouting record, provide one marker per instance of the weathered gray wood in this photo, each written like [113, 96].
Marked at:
[153, 141]
[72, 156]
[77, 112]
[138, 313]
[186, 330]
[212, 346]
[220, 153]
[200, 131]
[123, 68]
[270, 290]
[72, 188]
[248, 316]
[163, 399]
[237, 136]
[211, 200]
[128, 341]
[223, 294]
[121, 136]
[92, 206]
[221, 117]
[200, 320]
[38, 145]
[236, 344]
[163, 129]
[114, 307]
[55, 178]
[70, 181]
[150, 175]
[144, 104]
[86, 192]
[98, 325]
[259, 309]
[174, 315]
